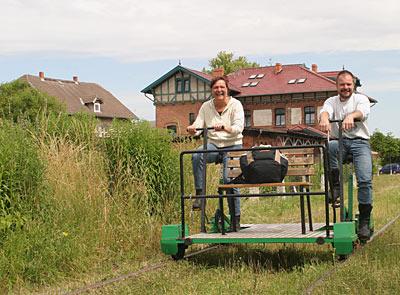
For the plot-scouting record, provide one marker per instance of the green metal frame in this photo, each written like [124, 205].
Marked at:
[170, 238]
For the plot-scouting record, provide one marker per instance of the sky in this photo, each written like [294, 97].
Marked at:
[126, 45]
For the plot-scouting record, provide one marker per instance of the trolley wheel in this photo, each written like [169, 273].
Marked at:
[343, 257]
[181, 252]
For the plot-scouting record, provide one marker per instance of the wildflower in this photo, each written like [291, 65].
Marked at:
[65, 234]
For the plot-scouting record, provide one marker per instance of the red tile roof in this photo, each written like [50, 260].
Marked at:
[277, 83]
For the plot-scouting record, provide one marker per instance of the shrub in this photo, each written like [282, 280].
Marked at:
[21, 174]
[19, 101]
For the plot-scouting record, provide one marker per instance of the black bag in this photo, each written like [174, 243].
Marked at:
[262, 166]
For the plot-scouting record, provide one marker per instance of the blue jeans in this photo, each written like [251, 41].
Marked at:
[362, 160]
[197, 165]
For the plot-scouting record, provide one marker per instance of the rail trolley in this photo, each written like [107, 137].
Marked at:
[340, 232]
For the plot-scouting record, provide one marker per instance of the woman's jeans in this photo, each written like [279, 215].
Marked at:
[197, 164]
[362, 160]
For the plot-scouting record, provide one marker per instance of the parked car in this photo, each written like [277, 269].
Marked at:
[386, 169]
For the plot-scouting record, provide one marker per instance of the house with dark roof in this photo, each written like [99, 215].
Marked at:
[82, 96]
[281, 102]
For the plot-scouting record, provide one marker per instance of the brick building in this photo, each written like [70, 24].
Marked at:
[281, 102]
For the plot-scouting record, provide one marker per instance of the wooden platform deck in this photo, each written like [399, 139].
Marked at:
[267, 231]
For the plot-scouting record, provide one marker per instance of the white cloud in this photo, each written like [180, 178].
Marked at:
[150, 30]
[391, 84]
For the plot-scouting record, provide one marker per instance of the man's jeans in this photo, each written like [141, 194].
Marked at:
[361, 151]
[197, 164]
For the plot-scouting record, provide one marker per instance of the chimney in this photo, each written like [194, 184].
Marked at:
[314, 68]
[218, 72]
[75, 79]
[41, 75]
[278, 68]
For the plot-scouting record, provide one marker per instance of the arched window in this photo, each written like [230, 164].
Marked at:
[172, 130]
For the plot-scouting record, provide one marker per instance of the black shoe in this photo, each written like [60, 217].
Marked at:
[364, 230]
[196, 206]
[237, 222]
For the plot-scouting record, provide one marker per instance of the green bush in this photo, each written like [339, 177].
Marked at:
[144, 155]
[21, 174]
[19, 101]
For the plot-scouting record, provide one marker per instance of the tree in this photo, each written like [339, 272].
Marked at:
[387, 146]
[225, 60]
[20, 101]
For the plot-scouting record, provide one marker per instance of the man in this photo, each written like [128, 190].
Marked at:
[226, 115]
[348, 106]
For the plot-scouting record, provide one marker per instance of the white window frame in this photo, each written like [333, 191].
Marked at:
[97, 107]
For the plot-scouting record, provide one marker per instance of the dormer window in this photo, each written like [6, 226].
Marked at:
[97, 108]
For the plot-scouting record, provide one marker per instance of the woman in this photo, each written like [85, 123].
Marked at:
[226, 115]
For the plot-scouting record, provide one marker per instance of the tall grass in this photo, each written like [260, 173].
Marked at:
[21, 175]
[138, 154]
[99, 202]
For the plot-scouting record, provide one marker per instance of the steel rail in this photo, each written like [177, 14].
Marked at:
[135, 273]
[330, 271]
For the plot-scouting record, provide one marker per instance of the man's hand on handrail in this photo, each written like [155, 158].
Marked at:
[347, 123]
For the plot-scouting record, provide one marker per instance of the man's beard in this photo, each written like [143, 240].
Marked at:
[346, 97]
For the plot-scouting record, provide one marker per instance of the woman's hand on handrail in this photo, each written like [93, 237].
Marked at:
[192, 129]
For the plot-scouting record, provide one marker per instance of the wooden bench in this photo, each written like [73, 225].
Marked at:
[301, 163]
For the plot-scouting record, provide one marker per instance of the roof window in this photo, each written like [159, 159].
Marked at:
[246, 84]
[252, 76]
[260, 76]
[252, 84]
[292, 81]
[302, 80]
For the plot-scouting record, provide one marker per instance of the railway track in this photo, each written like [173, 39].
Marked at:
[341, 262]
[136, 273]
[160, 265]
